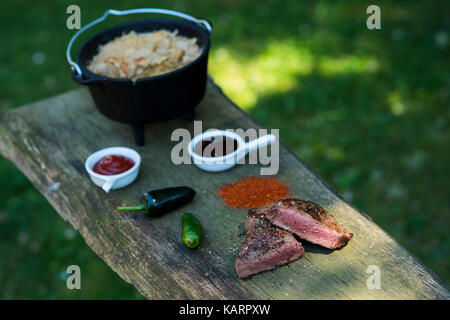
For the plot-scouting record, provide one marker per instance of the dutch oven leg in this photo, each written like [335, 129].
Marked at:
[139, 134]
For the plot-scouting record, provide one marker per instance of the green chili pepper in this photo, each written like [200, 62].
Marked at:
[157, 202]
[191, 231]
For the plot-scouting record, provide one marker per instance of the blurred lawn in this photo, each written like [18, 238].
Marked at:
[367, 110]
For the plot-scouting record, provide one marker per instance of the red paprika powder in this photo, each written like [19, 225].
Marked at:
[252, 192]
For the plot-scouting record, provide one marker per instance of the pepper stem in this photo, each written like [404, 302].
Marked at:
[133, 208]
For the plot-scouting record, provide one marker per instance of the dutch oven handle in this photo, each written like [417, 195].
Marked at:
[76, 70]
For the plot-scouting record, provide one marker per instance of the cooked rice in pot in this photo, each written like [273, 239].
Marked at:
[139, 55]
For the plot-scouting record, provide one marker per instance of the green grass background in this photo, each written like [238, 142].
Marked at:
[367, 110]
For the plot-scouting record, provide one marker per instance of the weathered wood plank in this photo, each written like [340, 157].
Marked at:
[49, 141]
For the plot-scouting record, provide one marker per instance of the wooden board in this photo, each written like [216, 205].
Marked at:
[49, 141]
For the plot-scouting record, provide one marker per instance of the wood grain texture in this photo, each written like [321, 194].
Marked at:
[49, 141]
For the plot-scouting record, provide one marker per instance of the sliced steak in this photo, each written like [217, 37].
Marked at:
[265, 247]
[256, 219]
[308, 221]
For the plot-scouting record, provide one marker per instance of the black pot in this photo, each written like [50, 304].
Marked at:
[145, 100]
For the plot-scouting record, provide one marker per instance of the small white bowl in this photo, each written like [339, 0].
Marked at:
[217, 164]
[116, 181]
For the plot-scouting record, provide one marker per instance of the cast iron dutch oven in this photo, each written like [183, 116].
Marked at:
[146, 100]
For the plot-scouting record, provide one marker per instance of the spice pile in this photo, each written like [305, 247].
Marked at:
[252, 192]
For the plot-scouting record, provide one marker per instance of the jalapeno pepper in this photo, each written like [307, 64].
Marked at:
[157, 202]
[191, 231]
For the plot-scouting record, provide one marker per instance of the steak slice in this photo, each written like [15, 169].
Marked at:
[308, 221]
[265, 247]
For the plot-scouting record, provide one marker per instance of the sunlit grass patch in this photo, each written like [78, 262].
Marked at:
[396, 103]
[276, 69]
[347, 64]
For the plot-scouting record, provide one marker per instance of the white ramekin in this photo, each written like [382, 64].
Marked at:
[116, 181]
[217, 164]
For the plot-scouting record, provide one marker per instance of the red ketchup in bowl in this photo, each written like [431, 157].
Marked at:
[113, 164]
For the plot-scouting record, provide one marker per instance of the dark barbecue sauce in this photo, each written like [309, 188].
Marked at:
[216, 146]
[113, 164]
